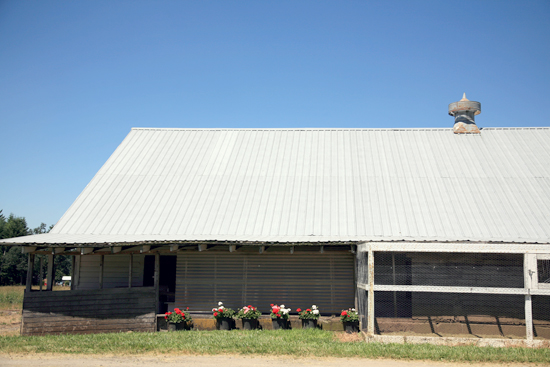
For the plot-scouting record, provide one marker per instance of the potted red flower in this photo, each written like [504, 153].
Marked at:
[350, 320]
[249, 316]
[279, 317]
[309, 317]
[224, 317]
[178, 320]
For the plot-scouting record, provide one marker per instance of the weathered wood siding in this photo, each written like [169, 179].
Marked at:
[246, 277]
[89, 311]
[115, 271]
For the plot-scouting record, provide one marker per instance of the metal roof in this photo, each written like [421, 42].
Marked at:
[316, 185]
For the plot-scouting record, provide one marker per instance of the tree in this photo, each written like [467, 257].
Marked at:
[13, 264]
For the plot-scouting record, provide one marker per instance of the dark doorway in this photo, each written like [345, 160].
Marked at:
[149, 271]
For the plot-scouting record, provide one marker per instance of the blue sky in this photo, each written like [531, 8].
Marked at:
[75, 77]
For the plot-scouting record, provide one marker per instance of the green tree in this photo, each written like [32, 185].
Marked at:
[13, 264]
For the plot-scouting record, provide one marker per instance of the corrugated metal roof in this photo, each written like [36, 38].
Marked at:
[318, 184]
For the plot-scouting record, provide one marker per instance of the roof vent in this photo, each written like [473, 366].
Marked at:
[464, 112]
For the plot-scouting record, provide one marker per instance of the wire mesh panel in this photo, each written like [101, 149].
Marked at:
[449, 269]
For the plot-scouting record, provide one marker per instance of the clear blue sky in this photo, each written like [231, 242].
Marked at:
[75, 76]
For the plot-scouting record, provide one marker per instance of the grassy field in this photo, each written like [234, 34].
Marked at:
[297, 343]
[11, 297]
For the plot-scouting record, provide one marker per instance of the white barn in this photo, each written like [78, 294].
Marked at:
[448, 224]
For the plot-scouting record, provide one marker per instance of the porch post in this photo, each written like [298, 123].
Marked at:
[41, 272]
[49, 277]
[101, 261]
[157, 281]
[529, 271]
[30, 265]
[131, 265]
[76, 281]
[73, 264]
[370, 300]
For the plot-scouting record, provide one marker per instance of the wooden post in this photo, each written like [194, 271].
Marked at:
[76, 281]
[157, 281]
[101, 261]
[73, 261]
[49, 276]
[394, 281]
[529, 272]
[130, 270]
[41, 272]
[370, 315]
[30, 265]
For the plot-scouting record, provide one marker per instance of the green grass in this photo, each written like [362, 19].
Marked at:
[11, 297]
[296, 343]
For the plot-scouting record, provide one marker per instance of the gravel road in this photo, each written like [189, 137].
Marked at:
[40, 360]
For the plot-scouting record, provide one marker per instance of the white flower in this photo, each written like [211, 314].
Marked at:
[353, 309]
[314, 307]
[316, 311]
[220, 303]
[282, 306]
[213, 310]
[222, 307]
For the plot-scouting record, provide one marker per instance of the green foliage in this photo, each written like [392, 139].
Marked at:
[295, 343]
[11, 297]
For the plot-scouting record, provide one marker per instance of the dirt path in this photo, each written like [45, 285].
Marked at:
[214, 361]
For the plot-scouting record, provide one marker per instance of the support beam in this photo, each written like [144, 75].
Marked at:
[291, 249]
[86, 250]
[49, 277]
[157, 281]
[30, 266]
[57, 250]
[174, 248]
[73, 265]
[116, 249]
[232, 248]
[130, 270]
[76, 281]
[41, 273]
[28, 249]
[203, 247]
[101, 266]
[145, 248]
[529, 318]
[322, 249]
[370, 300]
[262, 249]
[530, 281]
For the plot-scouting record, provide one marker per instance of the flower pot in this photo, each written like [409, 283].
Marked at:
[173, 326]
[224, 323]
[279, 324]
[351, 326]
[250, 324]
[309, 324]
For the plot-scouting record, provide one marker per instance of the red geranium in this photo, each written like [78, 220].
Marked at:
[215, 314]
[344, 313]
[298, 310]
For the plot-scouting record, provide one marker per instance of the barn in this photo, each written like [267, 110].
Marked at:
[424, 225]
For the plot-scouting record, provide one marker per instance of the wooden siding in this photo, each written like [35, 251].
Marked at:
[89, 311]
[243, 278]
[115, 271]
